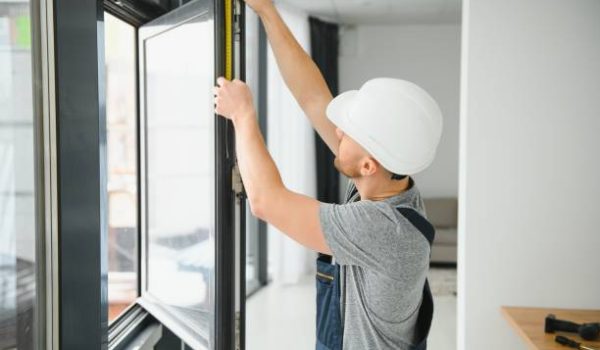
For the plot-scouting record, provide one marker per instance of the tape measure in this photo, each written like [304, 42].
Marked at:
[228, 39]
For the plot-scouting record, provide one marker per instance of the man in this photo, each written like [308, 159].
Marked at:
[373, 294]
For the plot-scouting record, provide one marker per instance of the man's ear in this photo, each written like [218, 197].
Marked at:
[369, 166]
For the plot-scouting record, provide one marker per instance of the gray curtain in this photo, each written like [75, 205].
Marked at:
[324, 39]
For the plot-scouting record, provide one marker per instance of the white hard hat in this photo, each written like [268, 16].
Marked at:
[396, 121]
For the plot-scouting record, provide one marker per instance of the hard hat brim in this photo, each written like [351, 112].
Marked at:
[339, 108]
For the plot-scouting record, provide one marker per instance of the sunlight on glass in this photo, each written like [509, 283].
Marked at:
[18, 289]
[122, 164]
[180, 165]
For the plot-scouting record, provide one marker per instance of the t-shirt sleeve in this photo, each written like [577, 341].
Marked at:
[363, 234]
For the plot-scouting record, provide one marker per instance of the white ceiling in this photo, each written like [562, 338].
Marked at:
[382, 11]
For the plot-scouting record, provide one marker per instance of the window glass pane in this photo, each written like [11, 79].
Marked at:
[17, 196]
[252, 79]
[121, 119]
[252, 251]
[179, 76]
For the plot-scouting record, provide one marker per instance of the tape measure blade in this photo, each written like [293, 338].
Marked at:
[229, 39]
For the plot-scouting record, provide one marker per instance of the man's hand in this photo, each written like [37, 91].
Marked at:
[259, 5]
[233, 99]
[269, 199]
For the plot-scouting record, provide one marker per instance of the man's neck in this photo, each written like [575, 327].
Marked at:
[379, 189]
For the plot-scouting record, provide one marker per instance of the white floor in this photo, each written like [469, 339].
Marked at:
[283, 317]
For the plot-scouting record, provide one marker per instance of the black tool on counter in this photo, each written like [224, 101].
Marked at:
[587, 331]
[571, 343]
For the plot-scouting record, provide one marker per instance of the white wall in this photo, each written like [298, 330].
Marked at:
[291, 143]
[428, 55]
[529, 229]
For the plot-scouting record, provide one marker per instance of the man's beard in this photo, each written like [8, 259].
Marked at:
[346, 170]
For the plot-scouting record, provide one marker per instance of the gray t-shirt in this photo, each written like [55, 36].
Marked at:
[384, 261]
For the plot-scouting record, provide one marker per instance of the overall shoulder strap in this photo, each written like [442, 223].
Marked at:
[418, 221]
[426, 310]
[351, 192]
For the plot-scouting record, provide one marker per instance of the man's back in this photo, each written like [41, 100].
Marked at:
[384, 261]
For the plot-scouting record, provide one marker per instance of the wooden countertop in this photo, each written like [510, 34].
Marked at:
[529, 324]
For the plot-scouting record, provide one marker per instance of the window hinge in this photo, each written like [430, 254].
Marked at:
[237, 331]
[236, 181]
[237, 13]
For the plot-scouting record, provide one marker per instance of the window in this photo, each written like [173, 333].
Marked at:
[18, 289]
[121, 118]
[179, 178]
[184, 194]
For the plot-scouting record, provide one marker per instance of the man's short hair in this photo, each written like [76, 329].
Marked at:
[398, 177]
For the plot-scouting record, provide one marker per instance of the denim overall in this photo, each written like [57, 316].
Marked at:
[329, 322]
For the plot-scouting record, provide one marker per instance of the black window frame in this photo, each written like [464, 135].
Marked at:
[80, 167]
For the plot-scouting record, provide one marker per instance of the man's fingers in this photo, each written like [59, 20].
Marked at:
[221, 81]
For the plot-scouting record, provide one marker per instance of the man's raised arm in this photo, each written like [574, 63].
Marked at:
[300, 73]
